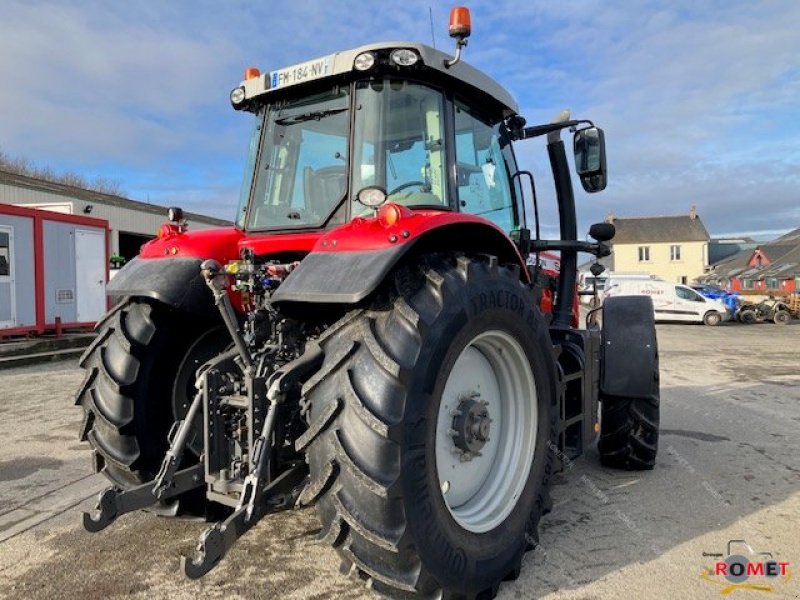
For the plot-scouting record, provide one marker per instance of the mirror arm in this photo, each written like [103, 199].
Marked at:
[599, 249]
[524, 133]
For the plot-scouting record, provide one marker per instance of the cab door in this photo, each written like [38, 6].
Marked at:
[483, 175]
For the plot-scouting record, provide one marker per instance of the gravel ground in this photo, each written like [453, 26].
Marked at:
[728, 468]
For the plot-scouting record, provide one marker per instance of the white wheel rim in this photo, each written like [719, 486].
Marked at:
[481, 491]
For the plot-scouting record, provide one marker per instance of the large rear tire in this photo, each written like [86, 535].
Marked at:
[132, 392]
[391, 489]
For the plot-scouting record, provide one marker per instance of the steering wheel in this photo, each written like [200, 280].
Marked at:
[405, 185]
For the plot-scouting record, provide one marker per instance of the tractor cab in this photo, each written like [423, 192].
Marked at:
[337, 137]
[401, 124]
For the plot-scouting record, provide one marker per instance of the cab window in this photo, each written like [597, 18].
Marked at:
[483, 179]
[687, 294]
[302, 175]
[399, 143]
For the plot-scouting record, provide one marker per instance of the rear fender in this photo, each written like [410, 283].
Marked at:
[168, 268]
[629, 347]
[349, 263]
[174, 281]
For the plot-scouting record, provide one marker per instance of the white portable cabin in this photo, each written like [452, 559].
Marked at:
[53, 270]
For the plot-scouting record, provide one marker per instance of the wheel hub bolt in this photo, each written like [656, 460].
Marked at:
[471, 425]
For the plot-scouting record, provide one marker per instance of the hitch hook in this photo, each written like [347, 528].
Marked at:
[105, 513]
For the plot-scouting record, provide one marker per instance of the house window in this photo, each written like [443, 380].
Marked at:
[675, 252]
[747, 284]
[772, 283]
[644, 253]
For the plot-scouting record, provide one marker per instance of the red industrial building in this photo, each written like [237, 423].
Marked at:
[769, 268]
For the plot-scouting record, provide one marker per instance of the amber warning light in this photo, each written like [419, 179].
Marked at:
[460, 22]
[460, 28]
[251, 73]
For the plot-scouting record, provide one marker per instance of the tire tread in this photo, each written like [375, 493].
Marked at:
[366, 355]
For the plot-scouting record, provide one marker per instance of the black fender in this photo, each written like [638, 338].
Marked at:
[176, 282]
[629, 351]
[349, 276]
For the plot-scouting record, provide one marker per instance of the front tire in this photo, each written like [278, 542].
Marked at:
[630, 390]
[377, 432]
[712, 318]
[747, 316]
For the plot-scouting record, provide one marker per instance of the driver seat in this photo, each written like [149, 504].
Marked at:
[323, 188]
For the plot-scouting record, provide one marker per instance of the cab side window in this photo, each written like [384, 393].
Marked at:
[483, 179]
[687, 294]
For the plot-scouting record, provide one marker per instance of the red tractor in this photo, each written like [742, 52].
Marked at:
[367, 337]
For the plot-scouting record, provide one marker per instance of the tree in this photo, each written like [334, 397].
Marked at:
[24, 166]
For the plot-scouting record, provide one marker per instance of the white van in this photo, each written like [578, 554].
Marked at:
[587, 281]
[672, 302]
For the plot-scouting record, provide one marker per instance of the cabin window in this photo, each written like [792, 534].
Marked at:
[5, 257]
[483, 180]
[399, 143]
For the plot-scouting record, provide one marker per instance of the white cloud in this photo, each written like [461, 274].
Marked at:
[698, 102]
[698, 99]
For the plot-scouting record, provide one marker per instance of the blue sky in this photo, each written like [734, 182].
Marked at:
[700, 101]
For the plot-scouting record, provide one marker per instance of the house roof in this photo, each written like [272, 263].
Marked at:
[77, 193]
[787, 266]
[683, 228]
[784, 262]
[792, 236]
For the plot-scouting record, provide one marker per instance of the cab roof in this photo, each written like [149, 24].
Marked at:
[340, 63]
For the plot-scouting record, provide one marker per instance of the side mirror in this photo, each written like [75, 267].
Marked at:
[602, 232]
[590, 158]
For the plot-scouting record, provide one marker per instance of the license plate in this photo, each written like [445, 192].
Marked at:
[313, 69]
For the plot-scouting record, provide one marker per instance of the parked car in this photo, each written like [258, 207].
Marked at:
[672, 302]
